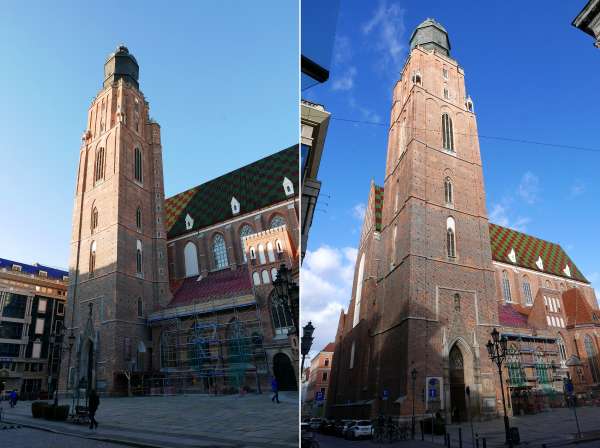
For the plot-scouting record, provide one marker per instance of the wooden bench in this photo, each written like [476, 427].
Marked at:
[82, 414]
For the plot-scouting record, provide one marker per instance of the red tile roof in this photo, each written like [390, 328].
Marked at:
[216, 285]
[329, 347]
[578, 309]
[509, 316]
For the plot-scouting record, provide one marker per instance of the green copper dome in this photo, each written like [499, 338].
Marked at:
[431, 35]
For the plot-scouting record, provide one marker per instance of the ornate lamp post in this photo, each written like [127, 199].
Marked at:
[306, 341]
[70, 343]
[497, 351]
[413, 375]
[288, 293]
[575, 362]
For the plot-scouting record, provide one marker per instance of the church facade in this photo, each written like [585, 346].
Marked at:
[167, 295]
[434, 277]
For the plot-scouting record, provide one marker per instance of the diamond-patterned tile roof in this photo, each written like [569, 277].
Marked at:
[378, 207]
[509, 316]
[255, 186]
[528, 249]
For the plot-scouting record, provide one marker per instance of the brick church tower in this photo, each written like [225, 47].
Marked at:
[118, 263]
[424, 288]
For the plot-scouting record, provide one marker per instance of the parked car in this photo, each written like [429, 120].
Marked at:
[341, 426]
[347, 427]
[327, 427]
[362, 428]
[315, 423]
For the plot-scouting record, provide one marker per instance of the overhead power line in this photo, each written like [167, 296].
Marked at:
[490, 137]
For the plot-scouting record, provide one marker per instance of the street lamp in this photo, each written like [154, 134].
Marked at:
[497, 351]
[413, 375]
[306, 341]
[573, 361]
[70, 343]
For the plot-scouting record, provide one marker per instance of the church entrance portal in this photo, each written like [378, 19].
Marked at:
[284, 372]
[458, 406]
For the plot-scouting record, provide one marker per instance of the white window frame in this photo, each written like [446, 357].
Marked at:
[42, 309]
[39, 325]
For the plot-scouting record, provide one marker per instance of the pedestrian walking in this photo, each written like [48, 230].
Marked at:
[13, 398]
[275, 389]
[93, 403]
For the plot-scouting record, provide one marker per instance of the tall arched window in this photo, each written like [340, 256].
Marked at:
[562, 351]
[92, 258]
[256, 278]
[279, 246]
[138, 257]
[220, 252]
[516, 376]
[282, 316]
[592, 356]
[99, 166]
[506, 287]
[190, 253]
[450, 238]
[261, 254]
[274, 274]
[138, 168]
[138, 218]
[270, 252]
[527, 291]
[94, 219]
[277, 221]
[246, 230]
[447, 133]
[448, 191]
[359, 287]
[140, 307]
[265, 277]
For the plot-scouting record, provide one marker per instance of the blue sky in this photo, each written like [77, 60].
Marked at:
[221, 78]
[532, 76]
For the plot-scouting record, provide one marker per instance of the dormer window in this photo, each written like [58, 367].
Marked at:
[43, 274]
[252, 254]
[189, 222]
[539, 263]
[469, 104]
[288, 186]
[235, 206]
[512, 256]
[567, 271]
[65, 278]
[16, 268]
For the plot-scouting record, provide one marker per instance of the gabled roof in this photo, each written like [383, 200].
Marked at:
[329, 347]
[378, 207]
[216, 285]
[53, 273]
[255, 186]
[578, 309]
[509, 316]
[528, 249]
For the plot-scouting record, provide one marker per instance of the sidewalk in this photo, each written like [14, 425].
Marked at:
[182, 421]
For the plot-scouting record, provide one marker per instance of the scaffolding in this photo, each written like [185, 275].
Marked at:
[212, 347]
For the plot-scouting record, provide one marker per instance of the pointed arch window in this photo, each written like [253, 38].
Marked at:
[138, 257]
[265, 277]
[359, 287]
[448, 191]
[256, 278]
[99, 165]
[281, 314]
[220, 252]
[506, 287]
[527, 291]
[92, 258]
[279, 246]
[94, 219]
[138, 168]
[592, 357]
[447, 133]
[516, 376]
[450, 238]
[138, 218]
[277, 221]
[562, 351]
[246, 230]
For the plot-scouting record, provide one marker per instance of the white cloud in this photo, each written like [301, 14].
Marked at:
[326, 278]
[342, 51]
[529, 187]
[359, 210]
[577, 189]
[345, 81]
[500, 215]
[387, 23]
[366, 113]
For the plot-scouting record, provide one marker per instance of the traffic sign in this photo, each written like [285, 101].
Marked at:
[320, 396]
[386, 394]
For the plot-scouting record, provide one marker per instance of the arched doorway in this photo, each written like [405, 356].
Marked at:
[458, 406]
[284, 372]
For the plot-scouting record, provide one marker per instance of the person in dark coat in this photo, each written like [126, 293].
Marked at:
[93, 403]
[275, 389]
